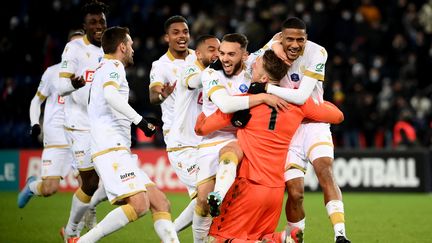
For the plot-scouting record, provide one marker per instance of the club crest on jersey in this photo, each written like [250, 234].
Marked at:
[295, 77]
[319, 67]
[243, 88]
[114, 75]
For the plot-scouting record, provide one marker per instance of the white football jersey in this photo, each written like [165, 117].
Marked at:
[168, 70]
[109, 128]
[187, 107]
[53, 120]
[213, 80]
[80, 58]
[310, 63]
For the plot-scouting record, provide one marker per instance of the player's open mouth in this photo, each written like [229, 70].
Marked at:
[98, 34]
[182, 44]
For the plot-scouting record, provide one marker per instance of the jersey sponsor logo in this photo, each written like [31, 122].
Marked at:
[319, 67]
[60, 99]
[200, 98]
[46, 162]
[190, 70]
[214, 82]
[114, 75]
[295, 77]
[88, 76]
[127, 176]
[243, 88]
[193, 169]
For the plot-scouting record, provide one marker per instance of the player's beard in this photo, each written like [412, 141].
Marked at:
[236, 67]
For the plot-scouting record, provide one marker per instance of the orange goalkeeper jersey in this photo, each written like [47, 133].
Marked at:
[266, 138]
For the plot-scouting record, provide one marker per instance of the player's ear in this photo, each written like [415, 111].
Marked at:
[245, 56]
[166, 39]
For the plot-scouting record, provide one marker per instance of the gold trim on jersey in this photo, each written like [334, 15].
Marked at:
[171, 56]
[295, 166]
[73, 129]
[125, 196]
[86, 40]
[51, 177]
[317, 76]
[174, 149]
[205, 145]
[65, 75]
[56, 146]
[206, 180]
[201, 67]
[86, 169]
[108, 56]
[155, 84]
[107, 151]
[41, 96]
[189, 77]
[316, 145]
[113, 83]
[213, 89]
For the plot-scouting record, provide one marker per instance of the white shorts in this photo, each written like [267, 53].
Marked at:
[121, 175]
[80, 144]
[311, 141]
[208, 161]
[184, 163]
[56, 162]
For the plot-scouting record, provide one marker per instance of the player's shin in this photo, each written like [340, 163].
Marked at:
[335, 210]
[226, 173]
[200, 224]
[80, 204]
[185, 218]
[115, 220]
[164, 227]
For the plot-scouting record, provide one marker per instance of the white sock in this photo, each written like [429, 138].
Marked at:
[35, 187]
[165, 229]
[335, 210]
[98, 196]
[77, 211]
[300, 224]
[225, 177]
[115, 220]
[200, 227]
[186, 216]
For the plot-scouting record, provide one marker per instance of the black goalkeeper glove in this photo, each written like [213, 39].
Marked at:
[148, 128]
[35, 131]
[257, 88]
[241, 118]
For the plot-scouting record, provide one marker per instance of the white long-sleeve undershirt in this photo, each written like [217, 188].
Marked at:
[295, 96]
[35, 109]
[118, 103]
[229, 103]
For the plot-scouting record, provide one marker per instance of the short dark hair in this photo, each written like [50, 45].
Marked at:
[294, 23]
[274, 66]
[237, 38]
[174, 19]
[94, 7]
[112, 37]
[201, 39]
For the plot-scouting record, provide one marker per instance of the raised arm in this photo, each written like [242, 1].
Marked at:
[216, 121]
[324, 112]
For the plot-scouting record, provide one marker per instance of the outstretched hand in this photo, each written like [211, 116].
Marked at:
[167, 89]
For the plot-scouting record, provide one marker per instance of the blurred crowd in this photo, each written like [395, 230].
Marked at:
[377, 71]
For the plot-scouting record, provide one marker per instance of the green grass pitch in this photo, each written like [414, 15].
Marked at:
[370, 217]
